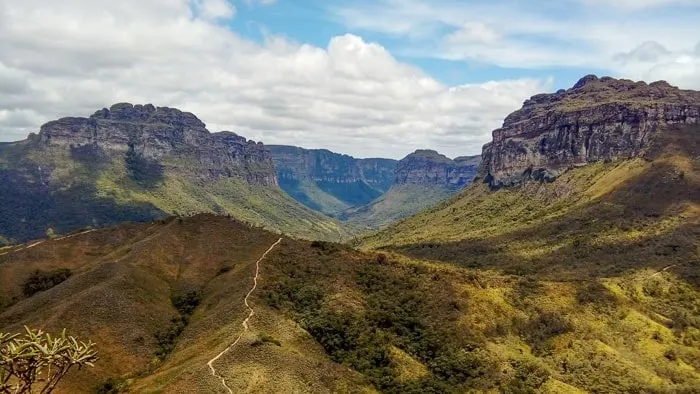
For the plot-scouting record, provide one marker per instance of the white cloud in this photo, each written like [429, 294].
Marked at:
[73, 57]
[215, 9]
[646, 52]
[474, 32]
[638, 4]
[630, 40]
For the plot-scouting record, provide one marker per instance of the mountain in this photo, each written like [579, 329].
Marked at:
[330, 182]
[422, 179]
[139, 162]
[635, 206]
[596, 120]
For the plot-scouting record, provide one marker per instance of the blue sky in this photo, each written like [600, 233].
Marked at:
[368, 78]
[315, 22]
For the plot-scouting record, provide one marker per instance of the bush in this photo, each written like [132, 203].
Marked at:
[186, 304]
[111, 386]
[381, 258]
[263, 339]
[166, 340]
[37, 361]
[538, 331]
[44, 280]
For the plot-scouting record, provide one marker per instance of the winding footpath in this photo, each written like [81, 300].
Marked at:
[245, 322]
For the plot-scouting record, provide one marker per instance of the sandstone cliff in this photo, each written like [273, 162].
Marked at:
[428, 167]
[322, 165]
[178, 140]
[597, 119]
[330, 182]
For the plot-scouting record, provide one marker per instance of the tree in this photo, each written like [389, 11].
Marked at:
[37, 361]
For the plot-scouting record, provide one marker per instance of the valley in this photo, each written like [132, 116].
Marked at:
[564, 259]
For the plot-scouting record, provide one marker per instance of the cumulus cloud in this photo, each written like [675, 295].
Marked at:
[72, 57]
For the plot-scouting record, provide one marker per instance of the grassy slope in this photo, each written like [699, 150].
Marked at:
[405, 325]
[120, 295]
[308, 193]
[262, 206]
[399, 202]
[602, 219]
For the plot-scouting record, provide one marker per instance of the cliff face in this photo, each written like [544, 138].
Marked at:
[597, 119]
[321, 165]
[177, 140]
[427, 167]
[331, 182]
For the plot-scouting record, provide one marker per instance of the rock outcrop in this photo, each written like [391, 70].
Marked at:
[428, 167]
[176, 139]
[597, 119]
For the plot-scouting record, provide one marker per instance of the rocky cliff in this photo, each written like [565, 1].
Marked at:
[176, 139]
[597, 119]
[328, 181]
[322, 165]
[428, 167]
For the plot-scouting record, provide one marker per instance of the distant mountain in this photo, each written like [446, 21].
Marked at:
[423, 179]
[330, 182]
[138, 163]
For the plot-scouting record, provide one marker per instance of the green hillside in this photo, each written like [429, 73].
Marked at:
[398, 203]
[602, 219]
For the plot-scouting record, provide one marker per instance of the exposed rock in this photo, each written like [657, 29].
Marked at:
[428, 167]
[177, 139]
[597, 119]
[322, 165]
[331, 182]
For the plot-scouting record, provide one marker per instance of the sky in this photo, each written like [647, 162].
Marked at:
[377, 78]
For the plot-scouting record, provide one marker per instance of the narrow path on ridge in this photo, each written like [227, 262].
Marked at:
[245, 322]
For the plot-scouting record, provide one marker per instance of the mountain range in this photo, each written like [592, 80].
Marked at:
[564, 259]
[141, 162]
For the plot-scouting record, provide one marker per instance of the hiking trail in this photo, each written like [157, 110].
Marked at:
[245, 322]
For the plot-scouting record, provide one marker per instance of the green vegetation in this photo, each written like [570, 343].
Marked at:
[111, 386]
[44, 280]
[399, 202]
[39, 361]
[266, 339]
[146, 173]
[167, 339]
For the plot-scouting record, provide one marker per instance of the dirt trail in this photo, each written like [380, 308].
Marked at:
[663, 270]
[245, 322]
[44, 240]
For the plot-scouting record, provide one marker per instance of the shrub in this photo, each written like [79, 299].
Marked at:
[37, 361]
[186, 304]
[111, 386]
[44, 280]
[381, 258]
[263, 339]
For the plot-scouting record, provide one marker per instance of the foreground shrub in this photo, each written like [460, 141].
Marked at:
[36, 361]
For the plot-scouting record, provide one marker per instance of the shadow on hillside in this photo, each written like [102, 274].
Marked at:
[28, 207]
[643, 223]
